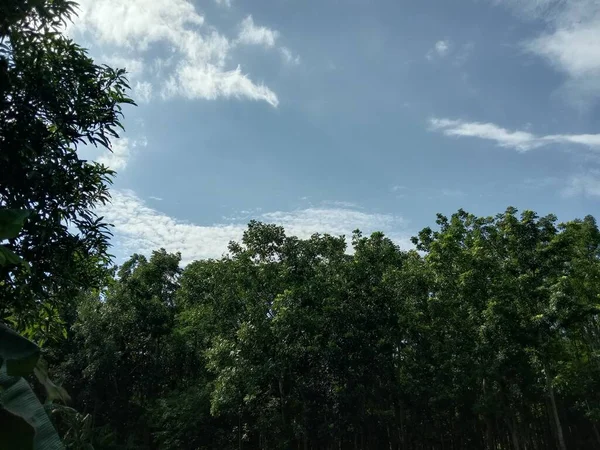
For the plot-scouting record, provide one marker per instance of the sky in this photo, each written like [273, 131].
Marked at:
[326, 116]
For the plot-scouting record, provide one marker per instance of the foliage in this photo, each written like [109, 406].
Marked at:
[487, 337]
[24, 423]
[53, 99]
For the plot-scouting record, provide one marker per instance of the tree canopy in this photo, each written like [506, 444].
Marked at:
[483, 337]
[53, 100]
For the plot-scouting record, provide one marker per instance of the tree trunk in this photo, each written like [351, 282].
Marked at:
[489, 433]
[559, 431]
[282, 400]
[514, 435]
[594, 427]
[240, 431]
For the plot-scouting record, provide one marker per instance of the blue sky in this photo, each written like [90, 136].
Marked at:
[332, 115]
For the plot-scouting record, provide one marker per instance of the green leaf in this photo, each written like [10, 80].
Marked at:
[20, 354]
[9, 258]
[53, 391]
[11, 222]
[19, 400]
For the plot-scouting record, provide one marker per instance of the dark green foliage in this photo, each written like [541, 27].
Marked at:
[23, 421]
[53, 99]
[30, 427]
[488, 338]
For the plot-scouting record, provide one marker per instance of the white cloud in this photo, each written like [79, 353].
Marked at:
[518, 140]
[288, 56]
[251, 34]
[121, 153]
[133, 66]
[140, 228]
[142, 91]
[575, 50]
[440, 49]
[570, 42]
[137, 23]
[587, 184]
[118, 158]
[198, 65]
[192, 83]
[256, 35]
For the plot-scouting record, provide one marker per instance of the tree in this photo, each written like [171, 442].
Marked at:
[24, 423]
[487, 336]
[53, 100]
[124, 357]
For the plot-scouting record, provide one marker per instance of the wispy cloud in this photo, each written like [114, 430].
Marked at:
[199, 65]
[252, 34]
[118, 159]
[585, 184]
[440, 49]
[569, 43]
[458, 54]
[142, 91]
[140, 228]
[288, 56]
[518, 140]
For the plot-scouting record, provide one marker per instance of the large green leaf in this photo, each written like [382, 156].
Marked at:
[53, 391]
[19, 354]
[18, 399]
[11, 222]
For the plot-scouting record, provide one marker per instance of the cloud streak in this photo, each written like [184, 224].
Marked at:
[518, 140]
[141, 228]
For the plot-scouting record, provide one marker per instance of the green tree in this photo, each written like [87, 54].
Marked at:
[485, 336]
[24, 424]
[124, 359]
[53, 99]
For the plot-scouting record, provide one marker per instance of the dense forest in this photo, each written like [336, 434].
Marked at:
[485, 335]
[485, 338]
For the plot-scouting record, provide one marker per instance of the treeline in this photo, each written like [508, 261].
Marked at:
[485, 337]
